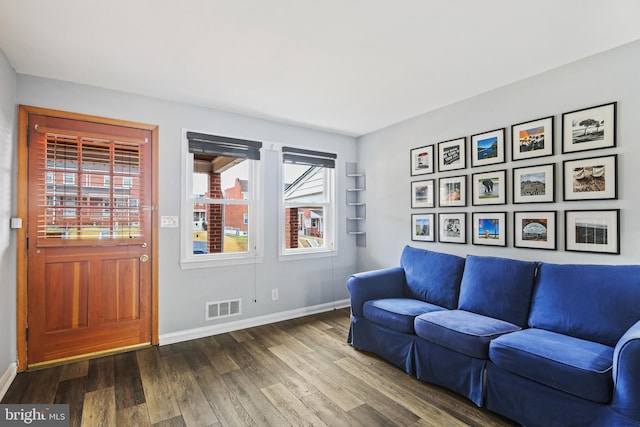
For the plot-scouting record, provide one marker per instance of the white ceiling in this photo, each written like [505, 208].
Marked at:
[346, 66]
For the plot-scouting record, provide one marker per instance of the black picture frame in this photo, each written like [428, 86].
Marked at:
[533, 139]
[489, 188]
[423, 227]
[452, 154]
[489, 228]
[534, 184]
[421, 160]
[452, 191]
[590, 128]
[422, 194]
[595, 231]
[488, 148]
[452, 227]
[592, 178]
[535, 230]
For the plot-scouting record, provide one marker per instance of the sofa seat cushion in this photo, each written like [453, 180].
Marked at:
[397, 313]
[462, 331]
[575, 366]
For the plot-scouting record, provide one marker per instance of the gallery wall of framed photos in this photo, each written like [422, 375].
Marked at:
[465, 191]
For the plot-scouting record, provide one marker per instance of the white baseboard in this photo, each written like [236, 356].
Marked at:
[205, 331]
[7, 378]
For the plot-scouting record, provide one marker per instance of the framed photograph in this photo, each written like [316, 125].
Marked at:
[532, 139]
[423, 227]
[452, 154]
[489, 228]
[589, 129]
[535, 230]
[422, 194]
[592, 231]
[534, 184]
[452, 227]
[489, 188]
[591, 179]
[453, 191]
[487, 148]
[422, 160]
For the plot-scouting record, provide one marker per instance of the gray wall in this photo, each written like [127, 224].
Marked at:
[8, 128]
[183, 293]
[384, 156]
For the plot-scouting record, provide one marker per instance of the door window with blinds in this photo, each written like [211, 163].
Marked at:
[220, 217]
[90, 189]
[308, 208]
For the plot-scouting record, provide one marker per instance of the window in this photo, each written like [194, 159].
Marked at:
[308, 208]
[69, 178]
[77, 207]
[221, 192]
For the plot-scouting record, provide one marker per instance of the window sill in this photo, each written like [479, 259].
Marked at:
[316, 253]
[190, 264]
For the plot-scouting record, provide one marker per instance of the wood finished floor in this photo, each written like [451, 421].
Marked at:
[297, 372]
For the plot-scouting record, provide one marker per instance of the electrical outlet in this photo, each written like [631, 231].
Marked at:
[274, 294]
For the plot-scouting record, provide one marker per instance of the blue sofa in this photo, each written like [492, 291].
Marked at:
[542, 344]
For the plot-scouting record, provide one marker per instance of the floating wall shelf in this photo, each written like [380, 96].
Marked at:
[358, 208]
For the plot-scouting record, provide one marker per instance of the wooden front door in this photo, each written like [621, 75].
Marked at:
[89, 230]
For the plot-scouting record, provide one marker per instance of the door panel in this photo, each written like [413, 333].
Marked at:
[66, 297]
[120, 290]
[89, 234]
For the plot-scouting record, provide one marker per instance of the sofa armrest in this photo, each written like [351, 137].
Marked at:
[626, 373]
[376, 284]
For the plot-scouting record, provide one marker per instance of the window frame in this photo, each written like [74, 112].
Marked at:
[330, 212]
[254, 254]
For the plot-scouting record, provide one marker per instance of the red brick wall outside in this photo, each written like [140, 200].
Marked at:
[291, 228]
[215, 232]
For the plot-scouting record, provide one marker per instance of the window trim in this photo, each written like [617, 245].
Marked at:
[330, 233]
[256, 214]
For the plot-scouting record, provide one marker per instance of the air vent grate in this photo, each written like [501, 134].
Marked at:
[219, 309]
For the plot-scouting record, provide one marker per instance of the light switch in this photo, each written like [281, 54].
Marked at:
[16, 222]
[169, 221]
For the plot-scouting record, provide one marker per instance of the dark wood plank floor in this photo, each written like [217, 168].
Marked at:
[298, 372]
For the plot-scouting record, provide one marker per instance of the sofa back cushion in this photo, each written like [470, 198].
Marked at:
[592, 302]
[498, 287]
[433, 277]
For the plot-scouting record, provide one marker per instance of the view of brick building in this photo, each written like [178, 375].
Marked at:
[96, 198]
[235, 216]
[212, 221]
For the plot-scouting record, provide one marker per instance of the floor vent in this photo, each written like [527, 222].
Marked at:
[219, 309]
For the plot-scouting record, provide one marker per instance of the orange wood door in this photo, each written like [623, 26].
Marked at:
[89, 231]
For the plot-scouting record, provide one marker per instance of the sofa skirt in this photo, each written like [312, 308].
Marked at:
[455, 371]
[394, 346]
[533, 404]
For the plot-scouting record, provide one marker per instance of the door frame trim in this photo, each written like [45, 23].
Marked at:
[22, 210]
